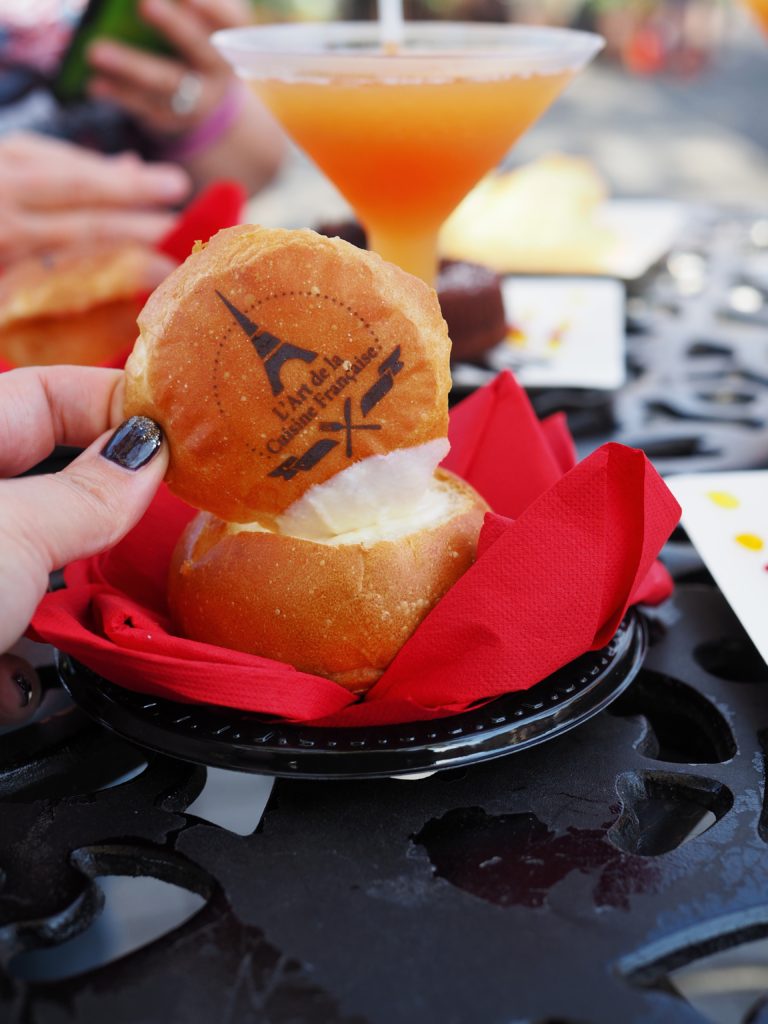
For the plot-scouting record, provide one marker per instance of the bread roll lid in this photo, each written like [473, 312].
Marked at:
[276, 359]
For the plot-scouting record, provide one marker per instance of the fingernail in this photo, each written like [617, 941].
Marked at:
[25, 688]
[134, 443]
[128, 156]
[170, 182]
[154, 10]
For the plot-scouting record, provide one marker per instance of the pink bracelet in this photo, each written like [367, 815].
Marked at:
[212, 128]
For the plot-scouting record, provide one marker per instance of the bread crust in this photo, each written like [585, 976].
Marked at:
[341, 611]
[95, 336]
[77, 305]
[78, 278]
[274, 359]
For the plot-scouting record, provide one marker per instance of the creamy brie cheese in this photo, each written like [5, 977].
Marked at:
[381, 498]
[368, 493]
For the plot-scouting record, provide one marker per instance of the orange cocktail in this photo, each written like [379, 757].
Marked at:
[760, 9]
[405, 155]
[405, 133]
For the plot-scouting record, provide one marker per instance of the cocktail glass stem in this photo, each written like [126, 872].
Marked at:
[416, 253]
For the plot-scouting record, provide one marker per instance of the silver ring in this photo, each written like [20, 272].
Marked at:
[187, 94]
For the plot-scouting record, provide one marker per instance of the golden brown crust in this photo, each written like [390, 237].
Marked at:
[274, 359]
[93, 337]
[338, 611]
[78, 278]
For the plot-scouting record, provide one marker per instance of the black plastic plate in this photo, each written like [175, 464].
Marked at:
[244, 741]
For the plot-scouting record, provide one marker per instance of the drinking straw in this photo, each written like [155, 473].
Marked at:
[391, 23]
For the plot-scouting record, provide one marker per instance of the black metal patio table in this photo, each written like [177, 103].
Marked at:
[574, 882]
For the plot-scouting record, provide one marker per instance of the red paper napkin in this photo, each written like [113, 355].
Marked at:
[566, 551]
[220, 205]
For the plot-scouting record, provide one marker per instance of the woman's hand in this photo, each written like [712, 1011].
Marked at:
[54, 193]
[193, 95]
[169, 95]
[48, 521]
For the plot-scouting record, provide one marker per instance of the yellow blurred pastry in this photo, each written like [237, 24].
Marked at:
[541, 218]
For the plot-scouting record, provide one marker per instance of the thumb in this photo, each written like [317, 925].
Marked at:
[92, 503]
[86, 508]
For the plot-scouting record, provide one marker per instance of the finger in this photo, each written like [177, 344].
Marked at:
[92, 503]
[128, 156]
[41, 407]
[57, 229]
[222, 13]
[49, 179]
[19, 690]
[186, 30]
[31, 147]
[152, 109]
[138, 68]
[49, 521]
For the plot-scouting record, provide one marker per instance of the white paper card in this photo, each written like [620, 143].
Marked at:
[644, 229]
[567, 332]
[726, 517]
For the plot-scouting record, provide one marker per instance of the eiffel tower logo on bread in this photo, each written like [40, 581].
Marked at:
[273, 352]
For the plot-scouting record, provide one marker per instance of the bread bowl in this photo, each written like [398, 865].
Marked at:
[329, 564]
[342, 607]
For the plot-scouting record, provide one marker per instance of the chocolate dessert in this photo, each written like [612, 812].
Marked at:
[470, 298]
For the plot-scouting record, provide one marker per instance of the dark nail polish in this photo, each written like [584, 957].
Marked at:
[25, 687]
[134, 443]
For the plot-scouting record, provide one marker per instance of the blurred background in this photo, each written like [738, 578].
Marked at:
[674, 106]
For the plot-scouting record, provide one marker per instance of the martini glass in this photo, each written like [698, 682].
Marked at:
[405, 132]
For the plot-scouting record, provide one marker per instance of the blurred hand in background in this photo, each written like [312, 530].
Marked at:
[192, 101]
[54, 193]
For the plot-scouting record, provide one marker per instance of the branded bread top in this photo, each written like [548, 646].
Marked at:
[276, 359]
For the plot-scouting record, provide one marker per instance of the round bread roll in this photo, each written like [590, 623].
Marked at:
[341, 609]
[275, 359]
[93, 337]
[77, 305]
